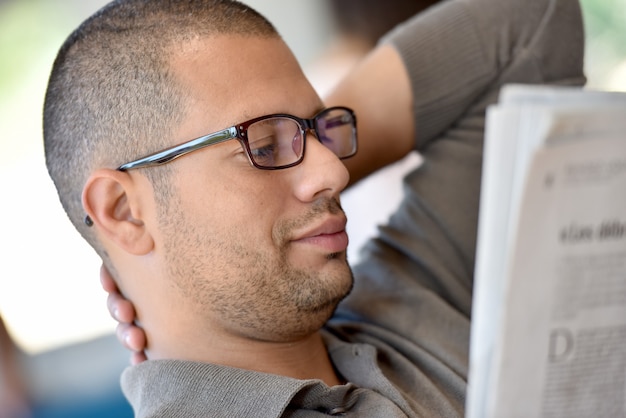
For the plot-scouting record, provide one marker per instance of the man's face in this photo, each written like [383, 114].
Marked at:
[255, 253]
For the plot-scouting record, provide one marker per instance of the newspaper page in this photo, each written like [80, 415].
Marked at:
[516, 128]
[561, 345]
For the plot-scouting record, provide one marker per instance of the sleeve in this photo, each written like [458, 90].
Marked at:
[416, 277]
[458, 51]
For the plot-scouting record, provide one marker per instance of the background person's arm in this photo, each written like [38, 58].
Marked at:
[379, 91]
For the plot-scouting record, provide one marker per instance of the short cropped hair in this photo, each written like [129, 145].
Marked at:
[111, 95]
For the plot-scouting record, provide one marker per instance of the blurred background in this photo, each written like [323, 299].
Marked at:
[50, 296]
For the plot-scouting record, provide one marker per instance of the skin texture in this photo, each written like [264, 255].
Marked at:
[235, 250]
[378, 89]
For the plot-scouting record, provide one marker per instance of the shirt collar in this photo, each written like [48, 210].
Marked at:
[164, 387]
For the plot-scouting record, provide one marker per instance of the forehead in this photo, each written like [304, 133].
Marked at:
[230, 78]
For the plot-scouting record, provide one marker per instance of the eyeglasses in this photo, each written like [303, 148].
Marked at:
[272, 142]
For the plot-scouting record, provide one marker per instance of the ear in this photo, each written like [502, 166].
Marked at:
[109, 198]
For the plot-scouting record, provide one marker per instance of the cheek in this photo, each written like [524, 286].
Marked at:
[244, 204]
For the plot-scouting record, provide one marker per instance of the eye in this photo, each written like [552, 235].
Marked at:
[263, 151]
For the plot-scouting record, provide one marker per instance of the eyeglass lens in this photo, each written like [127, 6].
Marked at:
[336, 130]
[275, 142]
[279, 141]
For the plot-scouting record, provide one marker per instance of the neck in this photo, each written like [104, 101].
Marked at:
[306, 358]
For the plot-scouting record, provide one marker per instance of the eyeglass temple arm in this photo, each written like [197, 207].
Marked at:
[170, 154]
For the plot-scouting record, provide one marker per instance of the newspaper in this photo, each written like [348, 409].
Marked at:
[549, 313]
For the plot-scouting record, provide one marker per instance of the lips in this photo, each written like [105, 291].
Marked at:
[330, 236]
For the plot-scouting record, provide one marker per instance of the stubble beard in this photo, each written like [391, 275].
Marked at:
[254, 292]
[287, 304]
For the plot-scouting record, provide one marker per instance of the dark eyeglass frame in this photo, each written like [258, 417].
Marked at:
[239, 132]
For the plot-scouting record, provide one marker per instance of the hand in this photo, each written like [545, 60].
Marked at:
[122, 310]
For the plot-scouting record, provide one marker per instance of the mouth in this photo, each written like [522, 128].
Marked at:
[329, 236]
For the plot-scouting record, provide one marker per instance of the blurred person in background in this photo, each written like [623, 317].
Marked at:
[358, 25]
[14, 397]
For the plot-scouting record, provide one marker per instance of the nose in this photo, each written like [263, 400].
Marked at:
[321, 173]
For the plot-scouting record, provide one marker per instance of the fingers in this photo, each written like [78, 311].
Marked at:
[120, 308]
[107, 282]
[132, 337]
[137, 357]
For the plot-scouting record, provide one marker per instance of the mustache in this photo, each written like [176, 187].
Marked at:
[326, 205]
[319, 209]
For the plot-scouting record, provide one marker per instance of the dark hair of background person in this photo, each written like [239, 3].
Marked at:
[371, 19]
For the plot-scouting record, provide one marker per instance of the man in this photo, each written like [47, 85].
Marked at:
[169, 136]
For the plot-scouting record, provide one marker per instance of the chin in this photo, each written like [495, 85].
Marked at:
[338, 287]
[313, 306]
